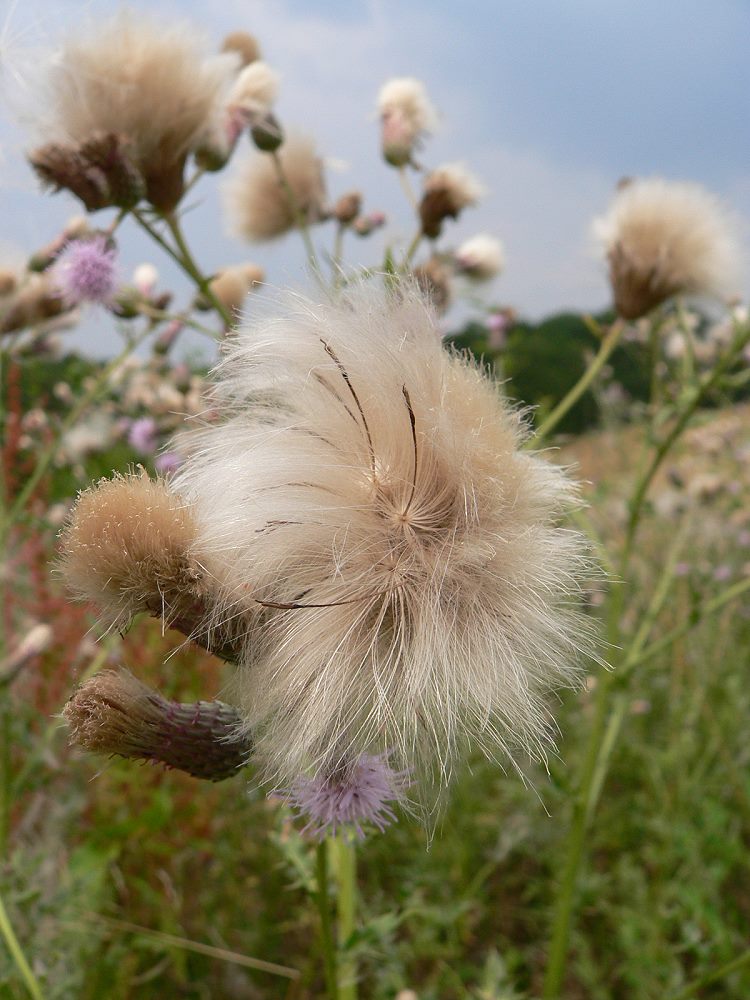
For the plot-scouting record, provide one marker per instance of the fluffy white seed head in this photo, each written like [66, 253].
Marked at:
[665, 237]
[406, 115]
[256, 205]
[256, 88]
[482, 257]
[365, 504]
[148, 81]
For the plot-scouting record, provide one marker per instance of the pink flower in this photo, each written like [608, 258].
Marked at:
[142, 435]
[352, 799]
[85, 271]
[168, 462]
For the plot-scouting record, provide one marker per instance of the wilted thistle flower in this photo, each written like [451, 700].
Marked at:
[256, 204]
[86, 271]
[147, 81]
[480, 258]
[663, 238]
[364, 505]
[114, 713]
[354, 798]
[447, 191]
[406, 116]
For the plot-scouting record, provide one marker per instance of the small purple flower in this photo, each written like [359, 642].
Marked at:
[142, 435]
[85, 271]
[723, 573]
[168, 462]
[352, 799]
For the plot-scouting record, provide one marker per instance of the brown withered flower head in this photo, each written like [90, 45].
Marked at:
[126, 104]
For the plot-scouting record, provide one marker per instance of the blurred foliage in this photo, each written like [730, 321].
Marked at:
[539, 363]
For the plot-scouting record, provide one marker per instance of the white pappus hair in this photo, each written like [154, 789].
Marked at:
[365, 502]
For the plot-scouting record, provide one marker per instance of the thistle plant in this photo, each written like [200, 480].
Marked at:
[352, 518]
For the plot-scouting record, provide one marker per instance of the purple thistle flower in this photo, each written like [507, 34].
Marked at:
[142, 435]
[167, 462]
[351, 799]
[86, 272]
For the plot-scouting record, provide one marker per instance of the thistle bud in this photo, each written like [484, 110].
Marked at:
[168, 336]
[267, 133]
[114, 713]
[347, 208]
[367, 224]
[244, 44]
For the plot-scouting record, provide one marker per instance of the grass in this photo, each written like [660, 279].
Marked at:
[111, 868]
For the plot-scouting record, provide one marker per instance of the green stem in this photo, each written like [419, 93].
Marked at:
[407, 188]
[558, 948]
[411, 250]
[326, 930]
[48, 455]
[6, 929]
[298, 215]
[347, 906]
[190, 266]
[185, 264]
[160, 316]
[573, 395]
[737, 963]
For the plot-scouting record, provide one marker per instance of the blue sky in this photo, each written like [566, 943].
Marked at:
[548, 102]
